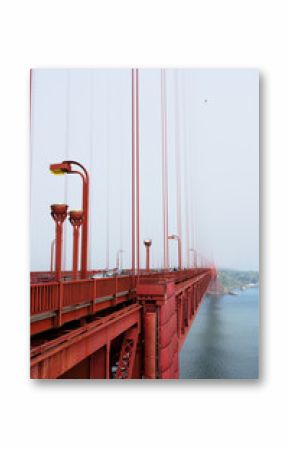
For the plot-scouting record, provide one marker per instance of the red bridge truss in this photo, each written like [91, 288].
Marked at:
[123, 327]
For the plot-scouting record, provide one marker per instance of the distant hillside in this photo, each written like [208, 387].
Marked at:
[231, 279]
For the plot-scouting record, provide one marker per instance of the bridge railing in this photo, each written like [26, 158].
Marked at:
[53, 296]
[77, 292]
[44, 297]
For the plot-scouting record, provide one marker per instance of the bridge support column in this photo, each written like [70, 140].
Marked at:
[179, 315]
[150, 327]
[160, 328]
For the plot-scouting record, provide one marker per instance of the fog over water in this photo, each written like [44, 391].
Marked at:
[85, 115]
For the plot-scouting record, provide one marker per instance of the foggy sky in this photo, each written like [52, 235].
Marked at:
[85, 115]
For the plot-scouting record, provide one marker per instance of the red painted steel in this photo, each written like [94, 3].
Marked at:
[44, 297]
[60, 297]
[121, 327]
[137, 173]
[169, 357]
[170, 301]
[164, 168]
[52, 251]
[127, 355]
[133, 170]
[59, 214]
[150, 329]
[76, 220]
[173, 299]
[135, 186]
[65, 168]
[85, 208]
[98, 364]
[178, 171]
[52, 359]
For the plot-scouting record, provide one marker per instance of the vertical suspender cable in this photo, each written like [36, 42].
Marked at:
[191, 178]
[30, 130]
[133, 170]
[121, 193]
[162, 152]
[67, 143]
[108, 209]
[177, 162]
[164, 169]
[121, 186]
[91, 115]
[186, 164]
[193, 201]
[30, 99]
[137, 174]
[108, 184]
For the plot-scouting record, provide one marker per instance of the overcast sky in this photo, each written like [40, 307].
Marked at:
[85, 115]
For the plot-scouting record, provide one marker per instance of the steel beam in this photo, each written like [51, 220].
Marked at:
[52, 359]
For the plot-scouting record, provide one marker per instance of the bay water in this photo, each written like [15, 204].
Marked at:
[223, 342]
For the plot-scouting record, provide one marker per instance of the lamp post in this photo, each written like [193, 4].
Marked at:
[59, 214]
[176, 237]
[76, 220]
[191, 250]
[195, 258]
[119, 259]
[147, 244]
[65, 167]
[52, 251]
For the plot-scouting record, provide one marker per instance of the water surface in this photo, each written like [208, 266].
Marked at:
[223, 342]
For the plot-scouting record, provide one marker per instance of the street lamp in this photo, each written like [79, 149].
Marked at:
[195, 259]
[76, 220]
[176, 237]
[147, 243]
[52, 251]
[119, 259]
[191, 250]
[59, 214]
[63, 168]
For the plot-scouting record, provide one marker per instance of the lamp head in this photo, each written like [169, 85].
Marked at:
[76, 217]
[173, 237]
[148, 242]
[59, 212]
[60, 168]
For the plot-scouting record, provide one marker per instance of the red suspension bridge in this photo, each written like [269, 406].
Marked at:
[116, 324]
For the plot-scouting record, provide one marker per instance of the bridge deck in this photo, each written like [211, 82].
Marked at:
[163, 306]
[53, 304]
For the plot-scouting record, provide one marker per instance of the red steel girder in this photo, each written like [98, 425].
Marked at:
[170, 302]
[127, 355]
[52, 359]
